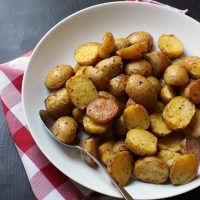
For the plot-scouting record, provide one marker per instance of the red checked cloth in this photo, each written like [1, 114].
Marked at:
[46, 181]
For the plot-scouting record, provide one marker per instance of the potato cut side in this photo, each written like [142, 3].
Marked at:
[170, 45]
[134, 51]
[184, 169]
[87, 54]
[158, 126]
[121, 43]
[171, 142]
[136, 116]
[81, 91]
[192, 65]
[121, 167]
[168, 156]
[178, 113]
[141, 142]
[167, 94]
[151, 170]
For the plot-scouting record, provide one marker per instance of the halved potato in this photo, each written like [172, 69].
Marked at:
[192, 65]
[167, 94]
[78, 114]
[121, 43]
[156, 84]
[119, 146]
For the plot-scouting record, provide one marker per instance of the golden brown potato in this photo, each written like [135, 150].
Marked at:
[184, 169]
[130, 102]
[141, 142]
[179, 61]
[78, 114]
[156, 84]
[193, 129]
[87, 54]
[65, 129]
[170, 45]
[158, 126]
[192, 91]
[151, 170]
[119, 146]
[141, 67]
[110, 67]
[141, 36]
[136, 116]
[58, 103]
[176, 75]
[107, 46]
[121, 43]
[192, 65]
[94, 128]
[81, 71]
[168, 156]
[121, 167]
[178, 113]
[141, 91]
[171, 142]
[158, 62]
[105, 152]
[116, 86]
[119, 127]
[76, 67]
[58, 76]
[102, 110]
[81, 91]
[106, 95]
[133, 52]
[167, 94]
[91, 145]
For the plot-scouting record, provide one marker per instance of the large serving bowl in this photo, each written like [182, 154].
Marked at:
[57, 47]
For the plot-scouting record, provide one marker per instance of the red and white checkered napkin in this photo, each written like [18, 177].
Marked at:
[46, 181]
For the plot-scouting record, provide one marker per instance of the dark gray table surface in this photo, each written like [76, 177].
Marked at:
[22, 24]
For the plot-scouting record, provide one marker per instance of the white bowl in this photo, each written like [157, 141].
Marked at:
[57, 47]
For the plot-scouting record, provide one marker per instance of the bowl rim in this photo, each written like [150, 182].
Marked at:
[47, 34]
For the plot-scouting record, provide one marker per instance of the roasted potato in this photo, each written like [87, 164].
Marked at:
[171, 142]
[119, 146]
[178, 113]
[119, 127]
[141, 36]
[176, 75]
[133, 52]
[81, 91]
[106, 95]
[151, 170]
[95, 128]
[116, 86]
[76, 67]
[65, 129]
[158, 126]
[87, 54]
[121, 167]
[121, 43]
[58, 103]
[57, 76]
[158, 62]
[156, 84]
[184, 169]
[168, 156]
[170, 45]
[107, 46]
[141, 91]
[192, 65]
[81, 71]
[136, 116]
[167, 94]
[179, 61]
[141, 67]
[78, 114]
[193, 129]
[91, 145]
[141, 142]
[102, 110]
[130, 102]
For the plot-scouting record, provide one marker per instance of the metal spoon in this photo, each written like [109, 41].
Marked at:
[48, 122]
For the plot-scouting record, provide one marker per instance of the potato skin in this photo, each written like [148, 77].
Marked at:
[130, 102]
[192, 65]
[136, 116]
[141, 91]
[151, 170]
[176, 75]
[167, 94]
[57, 76]
[158, 62]
[116, 86]
[58, 103]
[121, 43]
[184, 169]
[65, 129]
[141, 142]
[119, 146]
[156, 84]
[178, 113]
[78, 114]
[170, 45]
[141, 67]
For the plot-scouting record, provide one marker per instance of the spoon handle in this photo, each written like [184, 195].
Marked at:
[121, 189]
